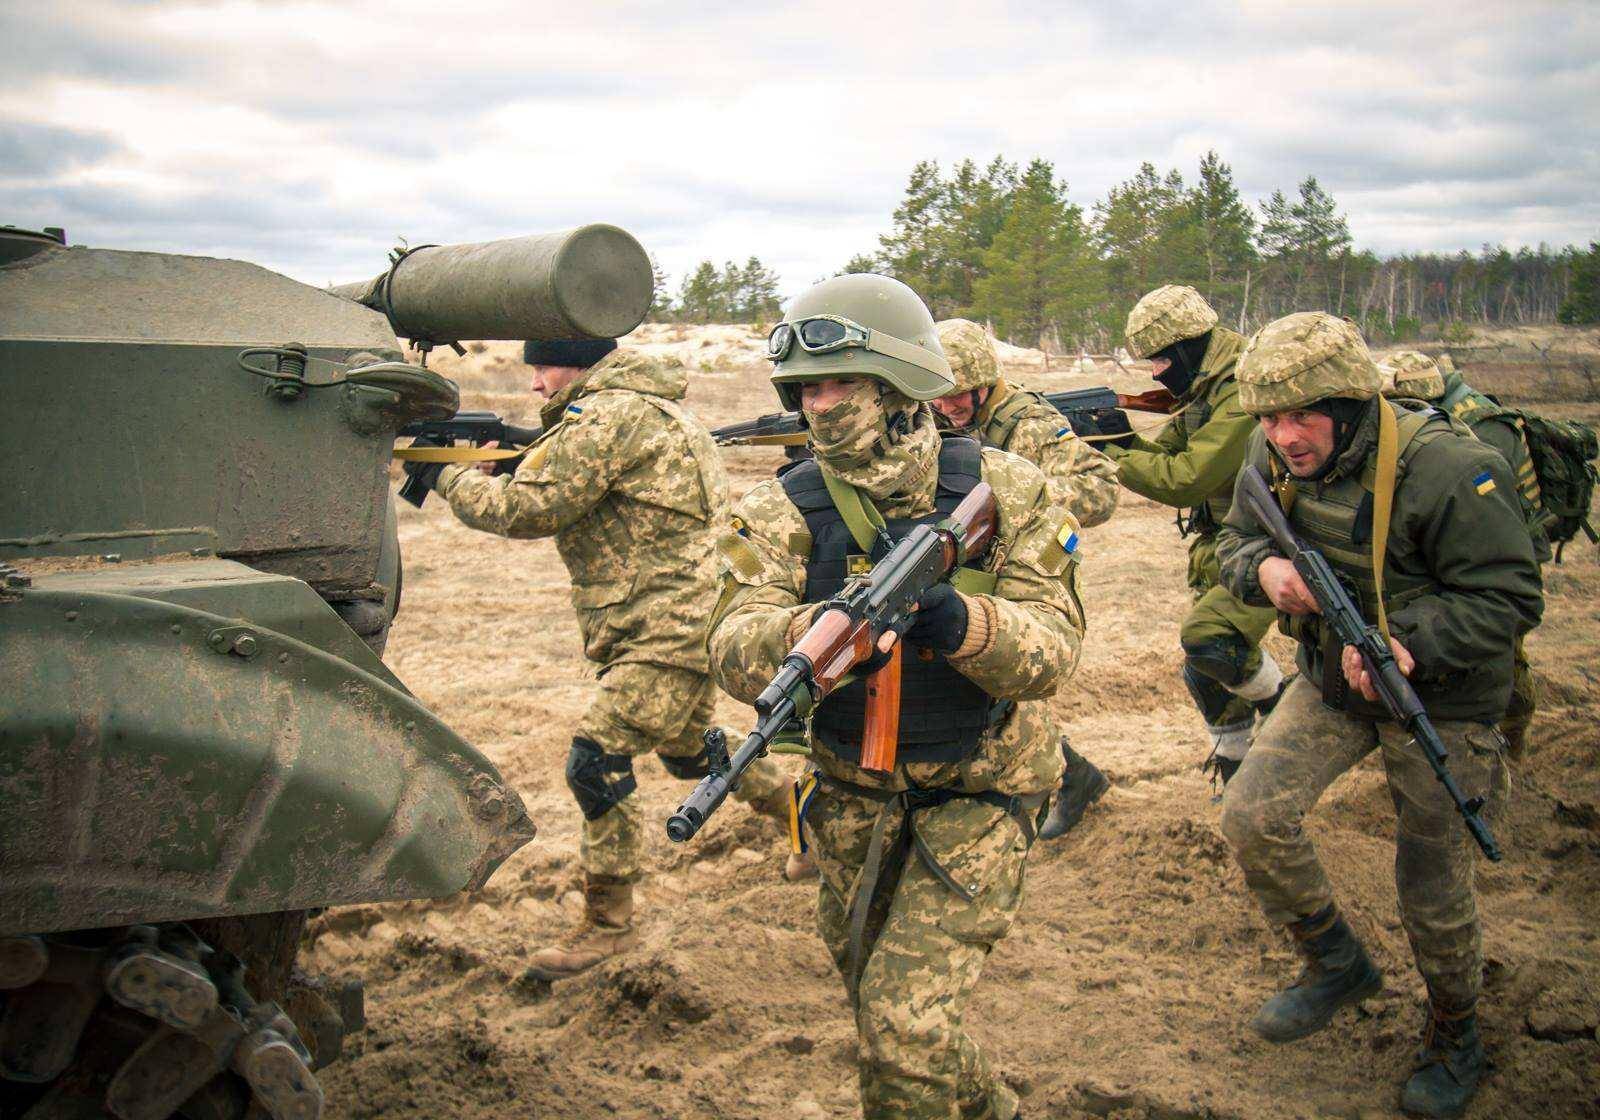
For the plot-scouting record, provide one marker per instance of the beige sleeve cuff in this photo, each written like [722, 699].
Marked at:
[981, 627]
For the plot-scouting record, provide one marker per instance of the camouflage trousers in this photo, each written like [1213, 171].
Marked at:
[642, 708]
[1299, 750]
[924, 947]
[1217, 616]
[1524, 701]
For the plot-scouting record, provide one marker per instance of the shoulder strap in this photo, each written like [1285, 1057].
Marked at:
[860, 516]
[1007, 415]
[1383, 497]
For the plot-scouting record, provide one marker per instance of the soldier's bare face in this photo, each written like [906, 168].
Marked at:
[1304, 439]
[550, 380]
[958, 408]
[819, 396]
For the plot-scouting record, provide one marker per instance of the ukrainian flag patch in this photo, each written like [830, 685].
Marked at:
[1063, 433]
[1067, 538]
[1484, 483]
[574, 410]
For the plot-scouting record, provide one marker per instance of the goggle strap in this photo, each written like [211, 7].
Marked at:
[892, 347]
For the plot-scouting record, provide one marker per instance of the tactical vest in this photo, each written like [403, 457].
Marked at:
[943, 714]
[1336, 519]
[1009, 413]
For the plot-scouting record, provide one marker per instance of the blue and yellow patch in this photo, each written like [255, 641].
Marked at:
[1484, 483]
[1067, 538]
[574, 410]
[1063, 433]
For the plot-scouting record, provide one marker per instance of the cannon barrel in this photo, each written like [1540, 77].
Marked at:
[591, 282]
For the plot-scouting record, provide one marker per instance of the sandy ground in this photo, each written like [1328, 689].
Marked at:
[1123, 990]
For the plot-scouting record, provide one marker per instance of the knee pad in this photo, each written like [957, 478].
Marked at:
[687, 765]
[1221, 658]
[1210, 695]
[598, 780]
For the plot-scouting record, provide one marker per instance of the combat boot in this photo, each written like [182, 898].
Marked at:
[1337, 972]
[1082, 786]
[607, 929]
[1448, 1066]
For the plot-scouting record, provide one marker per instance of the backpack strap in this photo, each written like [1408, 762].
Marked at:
[1003, 421]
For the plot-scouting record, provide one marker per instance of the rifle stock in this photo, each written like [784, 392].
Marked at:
[1339, 611]
[842, 635]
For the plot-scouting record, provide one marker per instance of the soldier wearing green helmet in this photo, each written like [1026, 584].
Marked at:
[1192, 464]
[1422, 522]
[983, 406]
[921, 871]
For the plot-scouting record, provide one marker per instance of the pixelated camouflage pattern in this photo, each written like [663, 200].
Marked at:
[970, 351]
[852, 434]
[1084, 480]
[630, 485]
[928, 948]
[1194, 458]
[642, 708]
[1304, 358]
[1298, 751]
[1412, 375]
[1171, 313]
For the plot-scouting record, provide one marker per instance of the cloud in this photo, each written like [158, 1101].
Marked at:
[309, 135]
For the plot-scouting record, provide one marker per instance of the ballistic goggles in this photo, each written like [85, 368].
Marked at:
[823, 334]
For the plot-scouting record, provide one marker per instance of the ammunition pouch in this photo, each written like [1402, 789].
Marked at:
[589, 777]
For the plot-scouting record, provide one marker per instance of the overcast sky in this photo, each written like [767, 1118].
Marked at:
[308, 136]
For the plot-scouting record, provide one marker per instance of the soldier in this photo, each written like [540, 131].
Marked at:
[922, 869]
[1419, 377]
[1192, 463]
[631, 487]
[1452, 582]
[985, 407]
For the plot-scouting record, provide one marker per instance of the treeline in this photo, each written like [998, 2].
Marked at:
[735, 293]
[1005, 244]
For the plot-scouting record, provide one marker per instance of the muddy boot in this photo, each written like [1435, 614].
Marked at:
[1082, 786]
[607, 930]
[1221, 768]
[1448, 1066]
[1337, 972]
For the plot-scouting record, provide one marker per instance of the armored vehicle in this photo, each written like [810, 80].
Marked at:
[199, 742]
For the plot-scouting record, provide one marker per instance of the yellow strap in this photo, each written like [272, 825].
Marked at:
[860, 516]
[455, 454]
[1383, 502]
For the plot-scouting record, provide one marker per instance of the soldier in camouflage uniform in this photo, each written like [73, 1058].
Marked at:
[1458, 585]
[921, 869]
[1192, 463]
[1418, 377]
[984, 406]
[630, 485]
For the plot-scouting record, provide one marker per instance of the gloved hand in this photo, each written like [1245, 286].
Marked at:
[425, 475]
[940, 621]
[1114, 422]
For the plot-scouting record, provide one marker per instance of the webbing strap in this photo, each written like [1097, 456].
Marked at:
[860, 516]
[1383, 503]
[972, 581]
[456, 454]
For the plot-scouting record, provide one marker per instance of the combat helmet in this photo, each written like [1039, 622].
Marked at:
[1303, 358]
[1169, 314]
[1416, 376]
[859, 325]
[970, 352]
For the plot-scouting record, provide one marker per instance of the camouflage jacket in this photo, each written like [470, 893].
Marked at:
[1022, 423]
[1194, 459]
[630, 485]
[1460, 582]
[1035, 621]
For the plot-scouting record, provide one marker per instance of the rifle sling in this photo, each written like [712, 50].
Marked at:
[1021, 808]
[456, 454]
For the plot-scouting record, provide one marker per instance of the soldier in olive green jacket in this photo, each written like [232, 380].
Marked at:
[631, 487]
[922, 868]
[1192, 464]
[1458, 586]
[1013, 419]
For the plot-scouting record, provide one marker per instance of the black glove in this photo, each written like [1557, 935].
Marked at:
[1114, 422]
[940, 621]
[423, 476]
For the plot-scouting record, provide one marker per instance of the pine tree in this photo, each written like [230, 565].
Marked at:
[863, 262]
[1224, 226]
[912, 248]
[1041, 271]
[1147, 233]
[700, 296]
[758, 292]
[976, 204]
[1582, 304]
[660, 298]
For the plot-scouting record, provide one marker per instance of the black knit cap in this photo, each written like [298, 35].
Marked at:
[577, 352]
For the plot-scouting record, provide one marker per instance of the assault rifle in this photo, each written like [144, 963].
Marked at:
[843, 634]
[1079, 406]
[1340, 611]
[478, 428]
